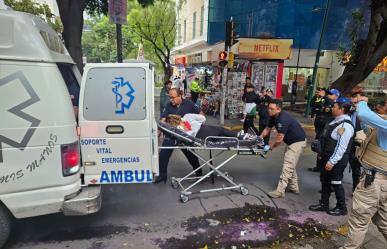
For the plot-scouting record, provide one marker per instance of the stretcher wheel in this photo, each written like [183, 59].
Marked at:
[174, 184]
[244, 191]
[183, 198]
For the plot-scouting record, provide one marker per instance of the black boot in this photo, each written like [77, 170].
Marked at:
[319, 207]
[199, 172]
[314, 169]
[341, 208]
[160, 178]
[338, 211]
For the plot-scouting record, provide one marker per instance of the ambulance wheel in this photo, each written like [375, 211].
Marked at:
[183, 198]
[5, 225]
[174, 184]
[244, 191]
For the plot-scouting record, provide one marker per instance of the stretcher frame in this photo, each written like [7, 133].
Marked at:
[194, 146]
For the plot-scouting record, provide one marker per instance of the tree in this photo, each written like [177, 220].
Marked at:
[99, 45]
[41, 10]
[71, 13]
[156, 26]
[368, 53]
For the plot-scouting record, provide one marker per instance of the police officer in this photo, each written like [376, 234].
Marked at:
[178, 106]
[323, 117]
[336, 141]
[370, 196]
[354, 161]
[317, 102]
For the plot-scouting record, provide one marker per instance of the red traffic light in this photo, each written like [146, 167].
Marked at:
[222, 55]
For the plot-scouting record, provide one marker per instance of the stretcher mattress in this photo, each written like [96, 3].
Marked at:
[210, 142]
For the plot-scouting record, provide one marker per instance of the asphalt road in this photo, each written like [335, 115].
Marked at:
[152, 216]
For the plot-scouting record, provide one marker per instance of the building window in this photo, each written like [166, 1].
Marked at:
[194, 25]
[201, 20]
[185, 31]
[179, 34]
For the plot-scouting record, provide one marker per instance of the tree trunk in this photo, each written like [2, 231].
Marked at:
[372, 50]
[167, 72]
[71, 14]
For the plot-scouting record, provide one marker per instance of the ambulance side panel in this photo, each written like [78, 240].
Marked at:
[36, 120]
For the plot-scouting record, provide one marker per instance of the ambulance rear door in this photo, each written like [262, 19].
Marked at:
[118, 133]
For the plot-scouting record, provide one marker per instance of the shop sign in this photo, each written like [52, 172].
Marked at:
[181, 60]
[277, 49]
[195, 58]
[382, 66]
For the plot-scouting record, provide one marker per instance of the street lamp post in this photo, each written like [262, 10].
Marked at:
[312, 89]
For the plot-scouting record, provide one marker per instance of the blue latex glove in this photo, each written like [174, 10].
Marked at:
[266, 148]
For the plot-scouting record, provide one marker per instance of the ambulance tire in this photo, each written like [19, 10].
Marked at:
[5, 225]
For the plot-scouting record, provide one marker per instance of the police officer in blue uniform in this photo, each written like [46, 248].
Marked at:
[177, 106]
[336, 142]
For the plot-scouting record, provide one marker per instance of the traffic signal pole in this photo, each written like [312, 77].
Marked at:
[227, 45]
[312, 89]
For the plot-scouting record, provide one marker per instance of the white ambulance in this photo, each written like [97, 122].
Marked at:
[40, 151]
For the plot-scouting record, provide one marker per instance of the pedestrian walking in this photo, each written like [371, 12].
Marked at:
[294, 92]
[195, 90]
[263, 101]
[336, 141]
[370, 197]
[290, 132]
[250, 110]
[164, 97]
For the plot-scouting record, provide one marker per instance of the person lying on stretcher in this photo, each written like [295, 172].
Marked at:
[193, 125]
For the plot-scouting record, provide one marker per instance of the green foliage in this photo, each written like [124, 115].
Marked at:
[155, 25]
[347, 55]
[97, 7]
[101, 6]
[41, 10]
[99, 44]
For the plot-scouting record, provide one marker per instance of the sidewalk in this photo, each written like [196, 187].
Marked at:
[237, 124]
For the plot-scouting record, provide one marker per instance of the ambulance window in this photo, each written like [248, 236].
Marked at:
[115, 94]
[71, 81]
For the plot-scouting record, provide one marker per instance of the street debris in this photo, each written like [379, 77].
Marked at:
[251, 226]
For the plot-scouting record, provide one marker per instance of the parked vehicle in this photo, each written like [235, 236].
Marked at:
[41, 170]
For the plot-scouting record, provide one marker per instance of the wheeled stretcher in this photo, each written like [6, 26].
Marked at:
[217, 144]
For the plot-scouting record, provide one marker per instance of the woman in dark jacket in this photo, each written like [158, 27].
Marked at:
[263, 112]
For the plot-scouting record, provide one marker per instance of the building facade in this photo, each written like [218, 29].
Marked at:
[201, 31]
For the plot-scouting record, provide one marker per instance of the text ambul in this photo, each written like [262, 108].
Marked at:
[126, 176]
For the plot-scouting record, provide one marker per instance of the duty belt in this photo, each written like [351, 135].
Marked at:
[376, 170]
[370, 175]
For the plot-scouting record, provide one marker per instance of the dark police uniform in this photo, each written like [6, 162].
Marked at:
[336, 142]
[185, 107]
[323, 116]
